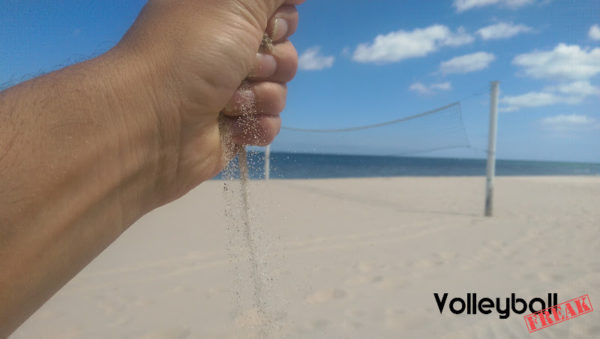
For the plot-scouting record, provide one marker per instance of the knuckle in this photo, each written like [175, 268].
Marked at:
[288, 62]
[271, 98]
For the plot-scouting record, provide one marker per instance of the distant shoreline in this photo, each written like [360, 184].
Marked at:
[322, 166]
[422, 157]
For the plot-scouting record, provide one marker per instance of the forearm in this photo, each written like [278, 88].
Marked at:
[87, 150]
[78, 164]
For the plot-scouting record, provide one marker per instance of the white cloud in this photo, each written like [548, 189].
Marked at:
[502, 30]
[565, 62]
[465, 5]
[431, 89]
[530, 99]
[568, 119]
[419, 88]
[310, 60]
[566, 122]
[467, 63]
[400, 45]
[577, 88]
[570, 94]
[444, 86]
[572, 65]
[594, 32]
[461, 37]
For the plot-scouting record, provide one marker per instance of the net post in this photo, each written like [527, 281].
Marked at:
[491, 160]
[268, 162]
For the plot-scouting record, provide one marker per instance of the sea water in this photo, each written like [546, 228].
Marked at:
[316, 166]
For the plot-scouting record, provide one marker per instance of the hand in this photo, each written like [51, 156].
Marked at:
[112, 138]
[208, 86]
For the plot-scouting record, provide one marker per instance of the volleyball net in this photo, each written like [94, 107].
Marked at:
[437, 129]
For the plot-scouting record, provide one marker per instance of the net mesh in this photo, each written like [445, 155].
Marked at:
[437, 129]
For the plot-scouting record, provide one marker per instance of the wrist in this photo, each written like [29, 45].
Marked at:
[147, 142]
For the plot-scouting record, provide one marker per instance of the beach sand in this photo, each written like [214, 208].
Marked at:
[344, 258]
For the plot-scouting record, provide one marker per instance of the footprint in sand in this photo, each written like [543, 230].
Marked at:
[428, 263]
[327, 295]
[320, 324]
[551, 277]
[364, 267]
[358, 280]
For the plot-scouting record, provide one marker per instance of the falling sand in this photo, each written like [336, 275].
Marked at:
[252, 317]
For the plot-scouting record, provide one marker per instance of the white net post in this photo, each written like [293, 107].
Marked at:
[268, 162]
[491, 161]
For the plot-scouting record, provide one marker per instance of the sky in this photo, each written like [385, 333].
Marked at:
[366, 61]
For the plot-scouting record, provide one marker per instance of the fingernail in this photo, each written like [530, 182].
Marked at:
[280, 29]
[266, 65]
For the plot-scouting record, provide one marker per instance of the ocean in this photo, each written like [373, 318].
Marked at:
[318, 166]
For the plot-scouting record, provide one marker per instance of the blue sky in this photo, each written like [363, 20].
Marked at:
[365, 61]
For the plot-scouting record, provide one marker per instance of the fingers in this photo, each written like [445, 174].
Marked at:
[283, 24]
[294, 2]
[278, 66]
[261, 98]
[252, 115]
[280, 61]
[257, 130]
[273, 5]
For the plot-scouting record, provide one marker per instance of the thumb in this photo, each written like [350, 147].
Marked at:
[275, 4]
[267, 8]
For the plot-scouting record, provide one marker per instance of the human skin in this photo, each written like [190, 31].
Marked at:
[88, 150]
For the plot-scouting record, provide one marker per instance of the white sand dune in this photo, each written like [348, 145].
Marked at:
[348, 258]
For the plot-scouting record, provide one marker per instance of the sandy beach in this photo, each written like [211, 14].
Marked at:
[344, 258]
